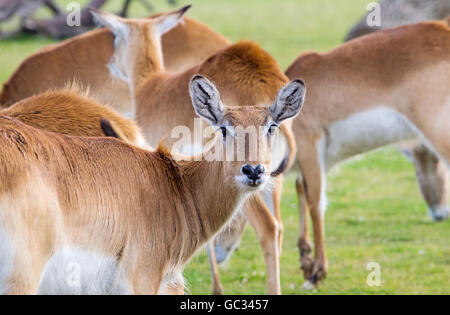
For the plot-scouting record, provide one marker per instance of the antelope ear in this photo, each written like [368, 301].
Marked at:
[289, 101]
[206, 100]
[167, 21]
[116, 24]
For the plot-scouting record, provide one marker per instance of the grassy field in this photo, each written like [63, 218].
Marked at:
[376, 213]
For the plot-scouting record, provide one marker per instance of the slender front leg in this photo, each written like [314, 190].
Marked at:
[267, 230]
[315, 185]
[304, 243]
[217, 288]
[225, 243]
[276, 195]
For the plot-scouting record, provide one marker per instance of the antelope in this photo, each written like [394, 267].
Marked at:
[72, 111]
[386, 87]
[431, 172]
[85, 58]
[71, 202]
[245, 75]
[401, 12]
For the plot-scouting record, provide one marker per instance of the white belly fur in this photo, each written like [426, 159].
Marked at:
[74, 271]
[366, 131]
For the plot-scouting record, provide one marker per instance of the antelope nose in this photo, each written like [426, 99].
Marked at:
[253, 173]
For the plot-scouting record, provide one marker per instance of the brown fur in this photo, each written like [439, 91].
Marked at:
[405, 69]
[58, 191]
[71, 112]
[248, 77]
[432, 174]
[85, 58]
[245, 76]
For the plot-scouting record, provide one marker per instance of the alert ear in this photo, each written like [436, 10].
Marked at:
[116, 24]
[289, 101]
[206, 100]
[110, 129]
[167, 21]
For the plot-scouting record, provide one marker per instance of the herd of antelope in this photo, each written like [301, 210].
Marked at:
[83, 187]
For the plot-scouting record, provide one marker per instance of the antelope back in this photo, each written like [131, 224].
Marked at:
[85, 58]
[73, 112]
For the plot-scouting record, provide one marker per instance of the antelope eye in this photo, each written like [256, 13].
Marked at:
[272, 129]
[224, 132]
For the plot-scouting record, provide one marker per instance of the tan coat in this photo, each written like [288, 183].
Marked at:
[85, 58]
[73, 112]
[386, 87]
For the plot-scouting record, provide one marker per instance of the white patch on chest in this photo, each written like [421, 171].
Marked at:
[366, 131]
[6, 260]
[74, 271]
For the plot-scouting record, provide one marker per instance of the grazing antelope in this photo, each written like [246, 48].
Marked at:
[245, 75]
[71, 111]
[382, 88]
[395, 13]
[431, 172]
[85, 58]
[76, 219]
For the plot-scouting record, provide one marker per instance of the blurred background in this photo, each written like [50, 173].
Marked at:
[376, 212]
[284, 28]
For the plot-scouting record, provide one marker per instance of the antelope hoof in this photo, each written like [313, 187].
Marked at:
[308, 286]
[319, 273]
[217, 291]
[439, 214]
[307, 266]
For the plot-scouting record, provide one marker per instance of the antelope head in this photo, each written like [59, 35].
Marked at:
[246, 132]
[137, 42]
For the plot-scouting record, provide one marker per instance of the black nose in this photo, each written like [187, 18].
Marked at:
[253, 173]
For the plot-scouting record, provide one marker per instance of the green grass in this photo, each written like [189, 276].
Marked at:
[375, 211]
[375, 214]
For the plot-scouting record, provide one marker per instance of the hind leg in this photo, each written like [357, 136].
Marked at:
[217, 288]
[273, 202]
[304, 243]
[267, 229]
[276, 195]
[314, 190]
[221, 248]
